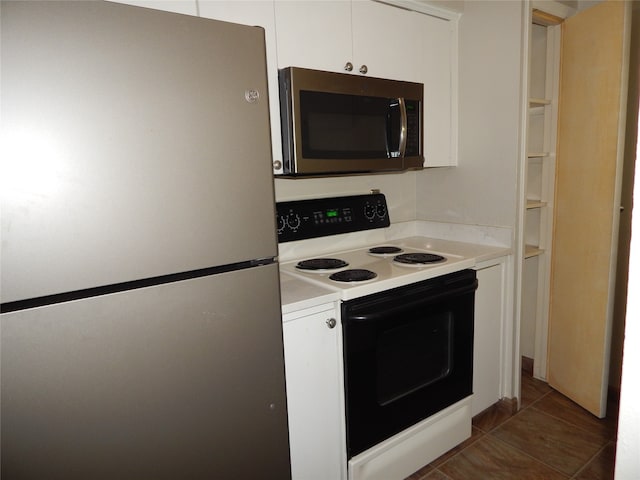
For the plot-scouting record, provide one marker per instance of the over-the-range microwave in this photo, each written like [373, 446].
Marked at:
[334, 123]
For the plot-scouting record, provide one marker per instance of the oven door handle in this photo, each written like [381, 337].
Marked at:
[404, 306]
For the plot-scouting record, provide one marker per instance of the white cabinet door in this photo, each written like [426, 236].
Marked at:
[313, 354]
[424, 53]
[255, 13]
[387, 41]
[438, 75]
[314, 34]
[487, 337]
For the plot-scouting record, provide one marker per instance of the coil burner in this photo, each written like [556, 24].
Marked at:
[353, 275]
[321, 264]
[384, 251]
[418, 259]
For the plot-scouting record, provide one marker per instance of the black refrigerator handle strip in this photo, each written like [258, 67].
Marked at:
[131, 285]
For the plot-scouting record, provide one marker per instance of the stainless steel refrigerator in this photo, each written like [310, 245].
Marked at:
[141, 328]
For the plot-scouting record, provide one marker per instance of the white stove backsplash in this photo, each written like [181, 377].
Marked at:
[458, 232]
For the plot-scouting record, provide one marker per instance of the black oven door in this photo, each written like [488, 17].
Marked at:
[408, 354]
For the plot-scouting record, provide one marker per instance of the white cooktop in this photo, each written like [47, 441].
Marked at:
[389, 273]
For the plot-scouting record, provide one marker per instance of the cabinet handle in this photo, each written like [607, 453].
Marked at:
[364, 69]
[331, 323]
[348, 66]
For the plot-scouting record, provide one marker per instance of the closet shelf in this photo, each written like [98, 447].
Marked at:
[538, 102]
[532, 251]
[535, 204]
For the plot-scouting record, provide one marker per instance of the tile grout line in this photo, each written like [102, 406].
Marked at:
[485, 432]
[583, 467]
[531, 456]
[488, 432]
[532, 405]
[513, 415]
[458, 453]
[567, 422]
[447, 477]
[537, 400]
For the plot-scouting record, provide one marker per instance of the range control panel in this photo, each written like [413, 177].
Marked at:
[319, 217]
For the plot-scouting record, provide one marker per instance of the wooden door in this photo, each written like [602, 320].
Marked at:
[593, 76]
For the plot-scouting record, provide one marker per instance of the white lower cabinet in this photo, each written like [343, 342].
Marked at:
[315, 399]
[488, 334]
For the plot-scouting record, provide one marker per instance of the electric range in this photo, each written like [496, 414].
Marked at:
[365, 270]
[406, 331]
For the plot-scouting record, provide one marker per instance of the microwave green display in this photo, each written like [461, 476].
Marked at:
[332, 213]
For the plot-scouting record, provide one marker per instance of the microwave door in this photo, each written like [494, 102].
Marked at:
[334, 123]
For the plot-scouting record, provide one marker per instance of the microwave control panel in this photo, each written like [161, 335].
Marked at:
[320, 217]
[413, 128]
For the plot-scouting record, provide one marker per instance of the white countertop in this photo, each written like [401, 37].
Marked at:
[480, 253]
[297, 294]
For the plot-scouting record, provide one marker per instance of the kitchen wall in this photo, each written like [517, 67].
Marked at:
[481, 190]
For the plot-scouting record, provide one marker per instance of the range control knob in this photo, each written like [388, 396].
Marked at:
[369, 211]
[280, 221]
[381, 210]
[293, 220]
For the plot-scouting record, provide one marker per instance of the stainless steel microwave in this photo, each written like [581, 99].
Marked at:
[334, 123]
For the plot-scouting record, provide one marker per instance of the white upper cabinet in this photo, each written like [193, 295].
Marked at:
[439, 77]
[314, 34]
[357, 36]
[387, 41]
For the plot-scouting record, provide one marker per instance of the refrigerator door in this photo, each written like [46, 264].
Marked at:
[135, 144]
[179, 381]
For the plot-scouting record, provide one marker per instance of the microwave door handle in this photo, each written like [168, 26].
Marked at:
[403, 127]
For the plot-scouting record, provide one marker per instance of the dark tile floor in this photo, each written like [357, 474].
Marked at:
[549, 438]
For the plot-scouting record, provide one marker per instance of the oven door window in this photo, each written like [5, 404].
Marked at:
[338, 126]
[414, 356]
